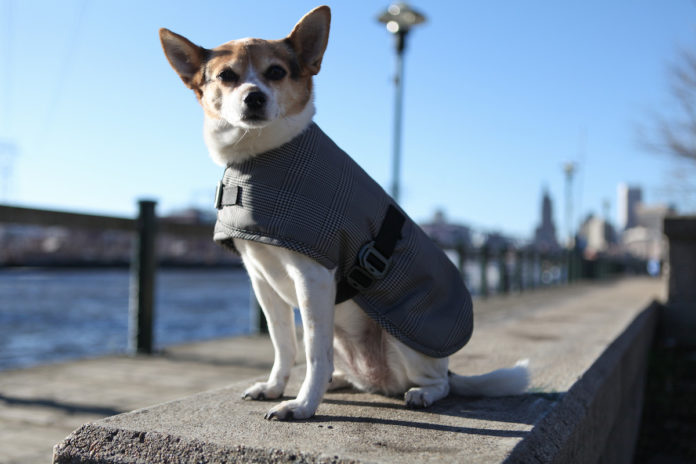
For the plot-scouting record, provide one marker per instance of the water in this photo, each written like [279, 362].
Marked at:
[56, 315]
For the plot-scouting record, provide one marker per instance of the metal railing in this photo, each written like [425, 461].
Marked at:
[143, 263]
[516, 269]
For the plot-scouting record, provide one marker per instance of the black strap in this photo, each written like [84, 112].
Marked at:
[227, 195]
[374, 257]
[390, 232]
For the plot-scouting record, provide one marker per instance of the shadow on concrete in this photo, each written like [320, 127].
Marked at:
[524, 409]
[69, 408]
[212, 361]
[420, 425]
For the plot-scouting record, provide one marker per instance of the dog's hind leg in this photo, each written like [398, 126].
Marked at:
[424, 396]
[281, 326]
[427, 375]
[338, 381]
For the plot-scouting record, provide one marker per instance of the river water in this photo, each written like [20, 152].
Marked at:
[50, 315]
[55, 315]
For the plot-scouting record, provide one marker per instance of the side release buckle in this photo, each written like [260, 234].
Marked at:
[372, 265]
[372, 261]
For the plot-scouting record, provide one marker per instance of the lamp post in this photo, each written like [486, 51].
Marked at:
[573, 263]
[569, 170]
[399, 19]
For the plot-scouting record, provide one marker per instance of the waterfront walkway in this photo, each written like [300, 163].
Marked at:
[40, 406]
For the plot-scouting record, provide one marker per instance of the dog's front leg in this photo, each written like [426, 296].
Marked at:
[316, 293]
[281, 327]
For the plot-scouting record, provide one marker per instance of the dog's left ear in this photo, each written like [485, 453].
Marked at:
[310, 37]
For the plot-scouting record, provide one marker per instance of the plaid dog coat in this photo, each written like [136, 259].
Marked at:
[311, 197]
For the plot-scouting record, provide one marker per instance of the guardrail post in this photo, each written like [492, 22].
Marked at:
[679, 316]
[142, 286]
[536, 269]
[461, 260]
[519, 270]
[503, 271]
[483, 253]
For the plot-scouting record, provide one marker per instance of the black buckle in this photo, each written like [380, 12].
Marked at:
[373, 262]
[359, 279]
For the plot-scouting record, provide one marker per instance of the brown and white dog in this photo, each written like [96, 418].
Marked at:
[258, 95]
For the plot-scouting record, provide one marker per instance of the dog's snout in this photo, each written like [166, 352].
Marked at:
[255, 100]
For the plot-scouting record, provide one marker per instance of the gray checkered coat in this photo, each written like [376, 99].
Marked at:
[311, 197]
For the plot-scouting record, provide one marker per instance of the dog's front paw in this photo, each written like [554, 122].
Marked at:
[418, 398]
[263, 391]
[289, 410]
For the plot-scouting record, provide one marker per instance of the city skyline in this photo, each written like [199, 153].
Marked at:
[497, 99]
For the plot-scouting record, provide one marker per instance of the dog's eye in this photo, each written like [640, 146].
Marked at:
[228, 75]
[275, 73]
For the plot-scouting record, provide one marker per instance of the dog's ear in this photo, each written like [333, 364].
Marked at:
[310, 37]
[185, 57]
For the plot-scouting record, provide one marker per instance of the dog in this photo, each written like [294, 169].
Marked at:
[257, 97]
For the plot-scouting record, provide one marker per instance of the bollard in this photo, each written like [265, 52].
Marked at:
[142, 285]
[565, 266]
[519, 270]
[483, 252]
[536, 269]
[461, 260]
[503, 272]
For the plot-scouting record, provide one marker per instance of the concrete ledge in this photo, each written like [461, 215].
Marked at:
[598, 419]
[587, 347]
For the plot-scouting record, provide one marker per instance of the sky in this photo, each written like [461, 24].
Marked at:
[498, 96]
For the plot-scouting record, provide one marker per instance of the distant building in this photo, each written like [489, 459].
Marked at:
[641, 224]
[545, 234]
[29, 245]
[646, 239]
[629, 199]
[597, 235]
[192, 216]
[446, 234]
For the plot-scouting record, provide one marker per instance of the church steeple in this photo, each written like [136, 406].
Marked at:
[545, 234]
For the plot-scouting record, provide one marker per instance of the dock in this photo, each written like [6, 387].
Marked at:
[41, 406]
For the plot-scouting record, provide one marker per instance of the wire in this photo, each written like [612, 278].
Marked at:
[7, 70]
[69, 55]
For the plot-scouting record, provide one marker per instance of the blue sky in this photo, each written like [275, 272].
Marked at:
[498, 95]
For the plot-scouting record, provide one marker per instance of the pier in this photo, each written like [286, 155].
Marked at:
[581, 340]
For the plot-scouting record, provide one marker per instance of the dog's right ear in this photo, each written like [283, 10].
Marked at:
[185, 57]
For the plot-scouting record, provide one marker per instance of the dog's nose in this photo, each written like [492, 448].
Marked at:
[255, 100]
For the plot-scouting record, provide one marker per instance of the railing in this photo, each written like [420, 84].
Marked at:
[143, 264]
[523, 269]
[513, 269]
[516, 270]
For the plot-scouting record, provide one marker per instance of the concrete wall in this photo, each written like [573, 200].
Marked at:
[587, 345]
[679, 320]
[599, 418]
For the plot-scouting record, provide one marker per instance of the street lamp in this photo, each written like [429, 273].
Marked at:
[399, 19]
[569, 169]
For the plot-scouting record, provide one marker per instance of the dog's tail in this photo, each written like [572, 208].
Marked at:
[501, 382]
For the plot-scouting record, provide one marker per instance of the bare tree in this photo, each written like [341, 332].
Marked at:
[673, 133]
[676, 135]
